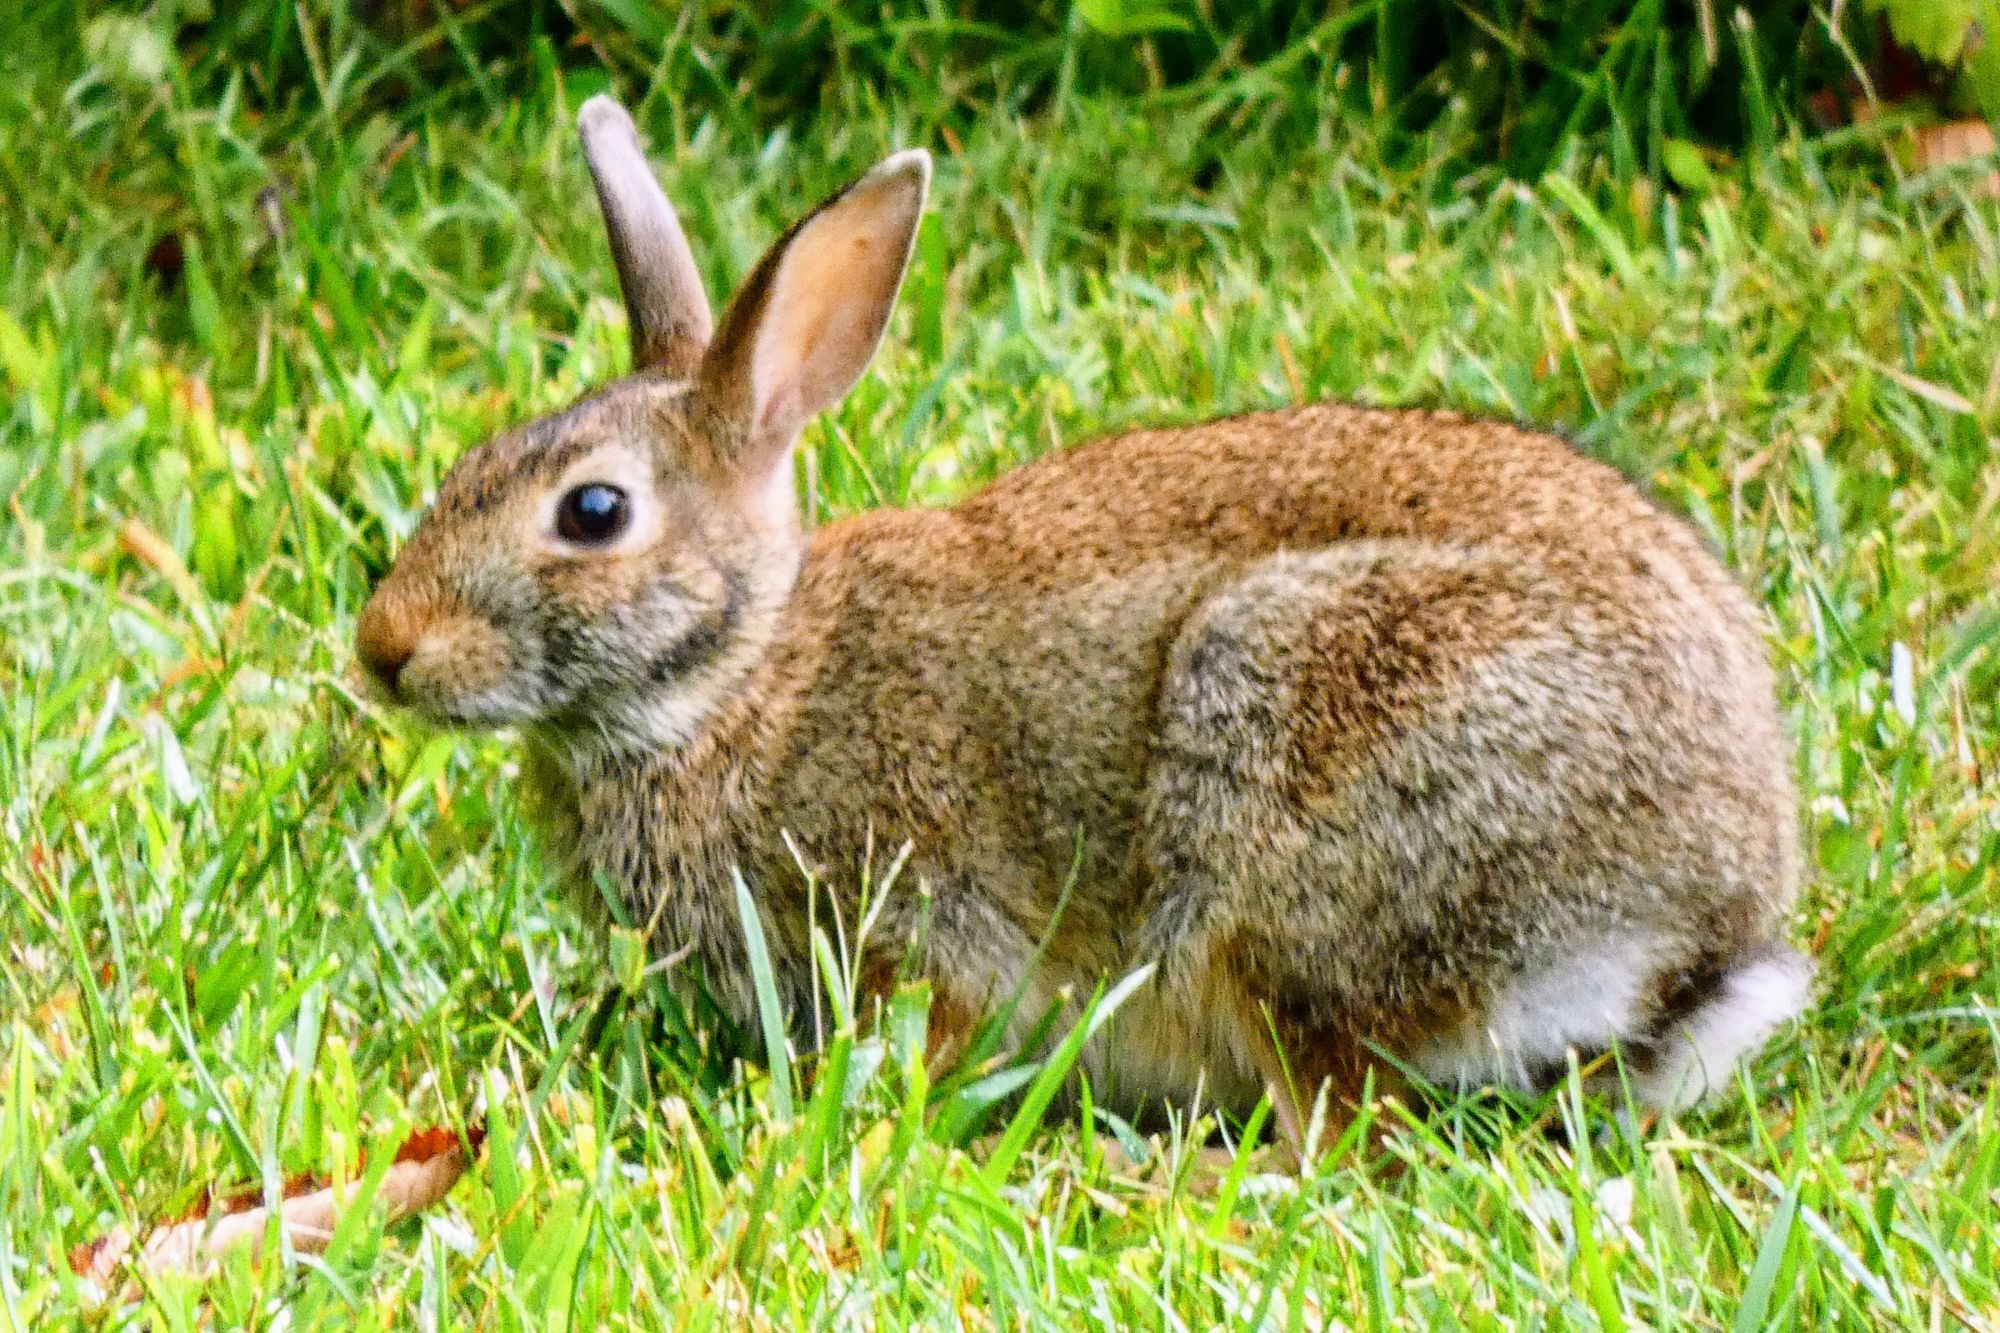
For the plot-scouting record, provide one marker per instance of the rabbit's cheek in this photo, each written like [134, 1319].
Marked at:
[594, 589]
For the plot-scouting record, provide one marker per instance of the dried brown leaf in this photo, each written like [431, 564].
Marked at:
[426, 1166]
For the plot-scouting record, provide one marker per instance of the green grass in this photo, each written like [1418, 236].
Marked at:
[251, 927]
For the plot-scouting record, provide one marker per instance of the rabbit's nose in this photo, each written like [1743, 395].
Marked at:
[384, 642]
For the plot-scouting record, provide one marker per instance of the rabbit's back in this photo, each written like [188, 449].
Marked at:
[1298, 478]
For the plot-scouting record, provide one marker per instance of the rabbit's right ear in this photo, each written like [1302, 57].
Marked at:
[809, 316]
[664, 301]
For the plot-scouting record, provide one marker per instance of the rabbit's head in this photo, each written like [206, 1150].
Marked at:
[608, 572]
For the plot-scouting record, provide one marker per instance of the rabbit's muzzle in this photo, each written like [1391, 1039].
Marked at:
[452, 668]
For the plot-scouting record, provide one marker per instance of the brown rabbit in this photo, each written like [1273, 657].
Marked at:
[1375, 731]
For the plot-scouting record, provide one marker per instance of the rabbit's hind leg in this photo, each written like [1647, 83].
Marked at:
[1307, 1068]
[1454, 805]
[1299, 916]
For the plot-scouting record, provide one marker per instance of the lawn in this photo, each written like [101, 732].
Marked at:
[253, 926]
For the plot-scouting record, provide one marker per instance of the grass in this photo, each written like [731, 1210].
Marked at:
[253, 928]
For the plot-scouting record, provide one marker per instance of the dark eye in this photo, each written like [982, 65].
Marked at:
[592, 515]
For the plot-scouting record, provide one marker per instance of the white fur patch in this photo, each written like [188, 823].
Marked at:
[1584, 1003]
[1698, 1057]
[1596, 998]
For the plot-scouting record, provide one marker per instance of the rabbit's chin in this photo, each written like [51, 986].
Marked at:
[443, 698]
[485, 710]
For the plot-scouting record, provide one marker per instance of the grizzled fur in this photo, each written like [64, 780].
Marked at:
[1375, 730]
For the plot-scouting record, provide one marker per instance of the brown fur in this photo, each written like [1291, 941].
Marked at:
[1342, 717]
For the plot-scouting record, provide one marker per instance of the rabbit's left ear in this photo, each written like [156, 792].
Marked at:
[810, 315]
[664, 301]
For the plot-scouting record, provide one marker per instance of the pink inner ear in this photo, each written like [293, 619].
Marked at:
[810, 333]
[781, 388]
[778, 405]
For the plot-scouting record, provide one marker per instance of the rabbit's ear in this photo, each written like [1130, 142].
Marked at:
[809, 317]
[664, 302]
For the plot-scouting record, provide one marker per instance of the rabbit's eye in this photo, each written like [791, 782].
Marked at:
[592, 515]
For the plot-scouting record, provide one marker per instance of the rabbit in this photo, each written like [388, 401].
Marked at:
[1393, 741]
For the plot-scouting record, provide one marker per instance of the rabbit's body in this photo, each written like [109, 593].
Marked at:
[1373, 730]
[1309, 707]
